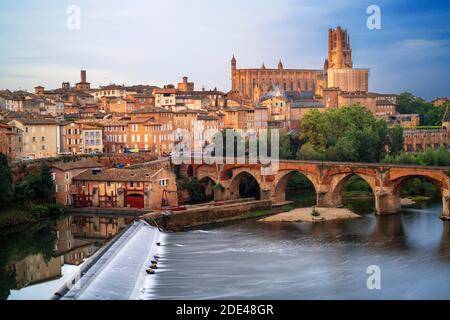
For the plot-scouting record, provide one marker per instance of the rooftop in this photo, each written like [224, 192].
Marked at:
[118, 175]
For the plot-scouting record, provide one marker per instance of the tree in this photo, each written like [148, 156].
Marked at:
[343, 134]
[395, 140]
[193, 187]
[429, 114]
[288, 145]
[6, 188]
[41, 185]
[430, 157]
[308, 152]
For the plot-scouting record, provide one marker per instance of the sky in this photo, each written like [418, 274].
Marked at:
[159, 42]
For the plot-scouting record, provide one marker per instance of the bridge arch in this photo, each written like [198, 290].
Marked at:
[245, 185]
[207, 184]
[340, 180]
[400, 182]
[281, 183]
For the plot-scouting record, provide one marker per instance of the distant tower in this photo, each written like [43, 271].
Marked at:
[83, 76]
[234, 80]
[280, 65]
[339, 51]
[83, 84]
[233, 63]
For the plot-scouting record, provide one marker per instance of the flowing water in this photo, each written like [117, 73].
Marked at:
[255, 260]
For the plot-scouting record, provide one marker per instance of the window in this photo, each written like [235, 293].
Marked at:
[164, 182]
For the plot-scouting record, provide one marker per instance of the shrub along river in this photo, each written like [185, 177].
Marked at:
[250, 259]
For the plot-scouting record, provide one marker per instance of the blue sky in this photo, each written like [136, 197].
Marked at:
[158, 42]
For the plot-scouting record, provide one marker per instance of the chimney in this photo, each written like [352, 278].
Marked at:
[83, 76]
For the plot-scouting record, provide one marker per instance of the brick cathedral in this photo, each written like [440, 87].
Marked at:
[338, 72]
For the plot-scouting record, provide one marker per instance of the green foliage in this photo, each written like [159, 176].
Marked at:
[356, 183]
[193, 187]
[36, 188]
[308, 152]
[429, 114]
[395, 140]
[315, 212]
[6, 188]
[299, 181]
[419, 187]
[343, 134]
[40, 211]
[430, 157]
[289, 144]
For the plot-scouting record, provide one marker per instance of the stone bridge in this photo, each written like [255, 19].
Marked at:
[328, 179]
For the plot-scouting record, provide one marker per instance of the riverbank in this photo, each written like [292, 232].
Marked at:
[209, 214]
[305, 215]
[12, 217]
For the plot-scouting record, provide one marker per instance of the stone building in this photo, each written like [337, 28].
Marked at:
[440, 101]
[185, 85]
[9, 140]
[149, 188]
[63, 172]
[40, 137]
[420, 139]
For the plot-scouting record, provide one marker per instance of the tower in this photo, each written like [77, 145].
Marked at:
[339, 51]
[234, 84]
[83, 76]
[280, 65]
[83, 84]
[233, 63]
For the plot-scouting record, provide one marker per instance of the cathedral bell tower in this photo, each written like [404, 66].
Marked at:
[339, 51]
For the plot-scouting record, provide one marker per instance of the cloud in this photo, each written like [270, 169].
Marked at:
[420, 44]
[158, 42]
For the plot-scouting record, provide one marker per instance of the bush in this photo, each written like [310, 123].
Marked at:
[430, 157]
[40, 211]
[315, 212]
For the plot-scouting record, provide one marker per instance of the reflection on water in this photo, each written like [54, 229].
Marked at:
[250, 259]
[35, 261]
[329, 260]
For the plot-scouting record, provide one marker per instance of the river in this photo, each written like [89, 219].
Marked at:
[256, 260]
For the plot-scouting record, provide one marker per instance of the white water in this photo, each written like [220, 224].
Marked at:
[119, 274]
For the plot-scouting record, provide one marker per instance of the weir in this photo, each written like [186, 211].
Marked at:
[119, 272]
